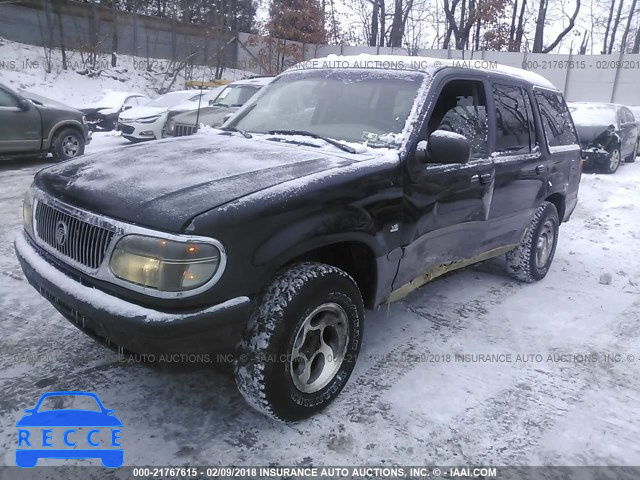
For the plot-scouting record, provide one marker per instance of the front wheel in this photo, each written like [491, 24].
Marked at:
[67, 144]
[614, 161]
[530, 261]
[301, 342]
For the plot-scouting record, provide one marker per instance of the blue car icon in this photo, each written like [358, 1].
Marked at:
[40, 445]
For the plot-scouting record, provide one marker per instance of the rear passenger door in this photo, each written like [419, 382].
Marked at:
[562, 145]
[521, 168]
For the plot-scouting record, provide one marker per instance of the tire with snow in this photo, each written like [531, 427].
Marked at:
[301, 342]
[530, 261]
[613, 162]
[68, 143]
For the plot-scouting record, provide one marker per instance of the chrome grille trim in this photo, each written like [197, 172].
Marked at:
[88, 238]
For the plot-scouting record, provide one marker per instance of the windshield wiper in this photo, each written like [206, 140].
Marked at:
[305, 133]
[244, 133]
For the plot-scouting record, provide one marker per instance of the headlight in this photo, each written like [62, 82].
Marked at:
[148, 119]
[164, 265]
[84, 120]
[171, 126]
[27, 212]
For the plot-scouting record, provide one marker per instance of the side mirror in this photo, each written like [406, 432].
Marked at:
[227, 117]
[127, 107]
[444, 147]
[24, 104]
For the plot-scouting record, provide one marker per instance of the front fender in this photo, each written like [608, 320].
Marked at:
[350, 224]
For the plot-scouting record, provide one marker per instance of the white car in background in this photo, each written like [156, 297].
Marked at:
[147, 122]
[195, 101]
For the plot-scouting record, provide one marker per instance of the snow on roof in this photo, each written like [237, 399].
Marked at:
[111, 99]
[424, 64]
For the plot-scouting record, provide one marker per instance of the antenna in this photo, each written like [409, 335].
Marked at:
[200, 98]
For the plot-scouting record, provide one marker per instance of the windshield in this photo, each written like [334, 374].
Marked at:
[170, 99]
[593, 115]
[235, 95]
[351, 105]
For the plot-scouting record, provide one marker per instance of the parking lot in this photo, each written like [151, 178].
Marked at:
[473, 368]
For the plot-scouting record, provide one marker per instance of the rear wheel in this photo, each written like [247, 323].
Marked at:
[67, 144]
[614, 161]
[530, 261]
[301, 342]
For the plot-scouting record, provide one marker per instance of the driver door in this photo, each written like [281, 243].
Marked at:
[21, 131]
[447, 204]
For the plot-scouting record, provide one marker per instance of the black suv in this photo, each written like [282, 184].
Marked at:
[30, 124]
[334, 189]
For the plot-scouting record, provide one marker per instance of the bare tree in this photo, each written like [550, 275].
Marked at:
[538, 41]
[616, 22]
[607, 29]
[625, 33]
[400, 15]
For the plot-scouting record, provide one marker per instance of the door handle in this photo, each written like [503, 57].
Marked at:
[482, 179]
[540, 169]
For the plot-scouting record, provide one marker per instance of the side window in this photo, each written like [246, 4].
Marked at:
[7, 100]
[512, 119]
[461, 107]
[627, 116]
[556, 119]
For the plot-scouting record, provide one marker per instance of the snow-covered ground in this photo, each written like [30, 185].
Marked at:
[22, 67]
[551, 396]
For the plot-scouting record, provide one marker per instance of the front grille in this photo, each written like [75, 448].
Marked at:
[184, 130]
[125, 128]
[78, 240]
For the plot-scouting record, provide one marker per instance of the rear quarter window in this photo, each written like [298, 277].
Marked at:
[556, 119]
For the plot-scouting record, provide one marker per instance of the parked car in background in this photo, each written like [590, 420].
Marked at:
[333, 190]
[198, 100]
[147, 122]
[38, 126]
[102, 113]
[230, 99]
[608, 134]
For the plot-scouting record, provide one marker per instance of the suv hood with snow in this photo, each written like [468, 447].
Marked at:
[165, 184]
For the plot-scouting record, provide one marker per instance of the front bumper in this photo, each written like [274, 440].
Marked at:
[124, 325]
[595, 156]
[142, 131]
